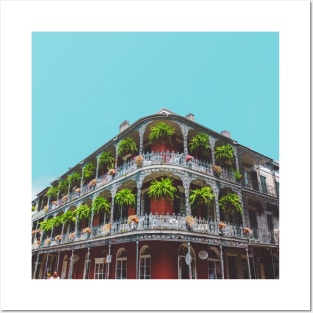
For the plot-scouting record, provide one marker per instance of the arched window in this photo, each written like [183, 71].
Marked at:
[121, 264]
[145, 263]
[214, 264]
[186, 263]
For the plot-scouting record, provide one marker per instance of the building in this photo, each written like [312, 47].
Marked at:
[166, 198]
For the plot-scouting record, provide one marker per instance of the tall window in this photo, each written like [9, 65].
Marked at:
[263, 184]
[100, 268]
[145, 263]
[87, 266]
[121, 264]
[214, 264]
[186, 263]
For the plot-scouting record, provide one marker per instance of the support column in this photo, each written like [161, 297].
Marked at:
[190, 261]
[184, 129]
[109, 261]
[71, 266]
[137, 252]
[113, 193]
[36, 264]
[57, 268]
[186, 179]
[212, 144]
[248, 262]
[139, 180]
[222, 261]
[141, 133]
[97, 168]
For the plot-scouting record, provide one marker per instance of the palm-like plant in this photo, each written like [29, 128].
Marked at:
[162, 188]
[201, 196]
[101, 204]
[160, 131]
[230, 203]
[63, 186]
[126, 146]
[74, 179]
[52, 192]
[107, 160]
[200, 141]
[89, 170]
[82, 212]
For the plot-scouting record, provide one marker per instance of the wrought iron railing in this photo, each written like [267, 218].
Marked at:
[163, 222]
[165, 158]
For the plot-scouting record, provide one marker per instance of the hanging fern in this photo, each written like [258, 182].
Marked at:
[201, 196]
[74, 179]
[101, 204]
[224, 153]
[161, 130]
[162, 188]
[200, 141]
[126, 146]
[82, 212]
[125, 197]
[89, 170]
[230, 203]
[106, 159]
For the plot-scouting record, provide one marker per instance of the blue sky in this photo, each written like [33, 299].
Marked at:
[85, 84]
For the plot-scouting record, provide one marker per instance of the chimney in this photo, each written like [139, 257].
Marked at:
[124, 125]
[226, 133]
[190, 116]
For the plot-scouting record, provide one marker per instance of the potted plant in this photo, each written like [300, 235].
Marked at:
[58, 238]
[126, 148]
[200, 199]
[48, 241]
[87, 230]
[224, 154]
[160, 136]
[221, 225]
[133, 218]
[111, 171]
[217, 170]
[71, 236]
[189, 157]
[199, 143]
[162, 193]
[230, 203]
[139, 160]
[247, 231]
[125, 197]
[190, 221]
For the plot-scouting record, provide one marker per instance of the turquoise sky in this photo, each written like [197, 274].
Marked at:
[85, 84]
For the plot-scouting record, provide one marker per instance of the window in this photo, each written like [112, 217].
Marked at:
[100, 268]
[145, 263]
[214, 264]
[121, 264]
[277, 188]
[87, 266]
[263, 184]
[186, 264]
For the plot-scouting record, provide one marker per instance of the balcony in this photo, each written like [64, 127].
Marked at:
[150, 159]
[164, 222]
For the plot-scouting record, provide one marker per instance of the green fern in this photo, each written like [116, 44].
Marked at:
[162, 188]
[200, 141]
[161, 130]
